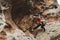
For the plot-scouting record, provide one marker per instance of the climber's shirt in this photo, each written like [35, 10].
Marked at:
[39, 20]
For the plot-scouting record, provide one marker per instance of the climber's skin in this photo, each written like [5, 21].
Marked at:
[41, 21]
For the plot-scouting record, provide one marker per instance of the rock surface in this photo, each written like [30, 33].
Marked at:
[52, 30]
[24, 22]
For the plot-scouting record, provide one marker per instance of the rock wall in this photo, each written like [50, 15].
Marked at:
[19, 14]
[25, 8]
[22, 9]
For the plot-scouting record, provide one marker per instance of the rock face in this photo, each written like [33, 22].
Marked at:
[7, 33]
[25, 8]
[18, 35]
[52, 30]
[18, 16]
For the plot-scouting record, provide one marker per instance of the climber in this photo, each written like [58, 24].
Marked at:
[41, 21]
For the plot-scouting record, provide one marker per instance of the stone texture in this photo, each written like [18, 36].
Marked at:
[20, 14]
